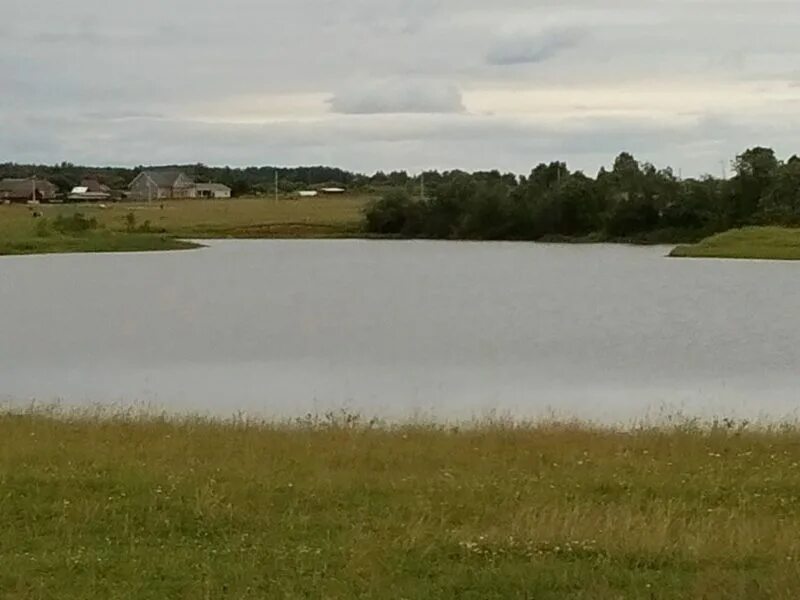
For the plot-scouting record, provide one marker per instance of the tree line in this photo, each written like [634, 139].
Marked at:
[632, 201]
[242, 181]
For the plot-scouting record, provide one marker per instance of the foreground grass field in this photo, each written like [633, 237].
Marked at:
[777, 243]
[151, 508]
[237, 218]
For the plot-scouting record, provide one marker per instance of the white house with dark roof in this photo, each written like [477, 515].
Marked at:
[212, 190]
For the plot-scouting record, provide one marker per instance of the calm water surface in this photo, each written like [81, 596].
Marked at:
[445, 330]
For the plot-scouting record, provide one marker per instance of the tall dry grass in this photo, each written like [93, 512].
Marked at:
[136, 506]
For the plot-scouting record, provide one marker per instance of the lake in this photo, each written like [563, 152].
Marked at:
[400, 329]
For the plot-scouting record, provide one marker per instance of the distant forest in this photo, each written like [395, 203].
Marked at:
[630, 201]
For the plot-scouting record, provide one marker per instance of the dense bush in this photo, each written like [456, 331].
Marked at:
[632, 218]
[392, 214]
[75, 223]
[131, 226]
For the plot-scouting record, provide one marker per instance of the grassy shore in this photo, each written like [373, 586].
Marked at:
[776, 243]
[171, 221]
[102, 241]
[154, 508]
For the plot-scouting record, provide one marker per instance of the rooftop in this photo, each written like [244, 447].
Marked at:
[24, 187]
[166, 178]
[212, 187]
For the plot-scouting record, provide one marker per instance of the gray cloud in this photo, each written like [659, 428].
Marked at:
[397, 97]
[372, 142]
[531, 49]
[121, 115]
[88, 35]
[104, 82]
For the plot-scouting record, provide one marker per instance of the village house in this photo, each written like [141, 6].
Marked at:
[212, 190]
[90, 190]
[164, 185]
[25, 190]
[161, 185]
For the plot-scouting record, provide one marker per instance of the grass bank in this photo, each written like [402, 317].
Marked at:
[120, 225]
[153, 508]
[776, 243]
[103, 241]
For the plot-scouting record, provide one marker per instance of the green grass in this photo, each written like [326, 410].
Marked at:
[172, 220]
[776, 243]
[100, 241]
[131, 507]
[322, 217]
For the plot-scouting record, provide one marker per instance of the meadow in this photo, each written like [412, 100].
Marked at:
[160, 225]
[141, 506]
[773, 243]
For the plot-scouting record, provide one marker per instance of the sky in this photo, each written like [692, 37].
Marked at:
[398, 84]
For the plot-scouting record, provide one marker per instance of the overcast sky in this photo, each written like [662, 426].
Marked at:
[398, 84]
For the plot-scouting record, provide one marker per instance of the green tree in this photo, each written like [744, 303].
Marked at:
[756, 170]
[394, 213]
[781, 201]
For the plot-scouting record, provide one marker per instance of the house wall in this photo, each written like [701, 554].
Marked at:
[181, 193]
[142, 188]
[221, 194]
[183, 188]
[183, 182]
[202, 192]
[6, 195]
[46, 191]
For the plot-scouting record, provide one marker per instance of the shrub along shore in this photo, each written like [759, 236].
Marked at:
[148, 507]
[631, 202]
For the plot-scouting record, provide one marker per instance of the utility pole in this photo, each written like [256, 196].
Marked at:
[33, 190]
[422, 186]
[276, 185]
[724, 171]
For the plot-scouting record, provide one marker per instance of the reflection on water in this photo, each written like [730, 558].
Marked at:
[450, 330]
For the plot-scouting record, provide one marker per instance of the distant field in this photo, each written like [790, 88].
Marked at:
[777, 243]
[150, 508]
[249, 217]
[237, 218]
